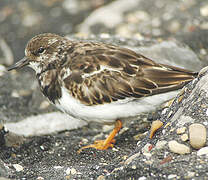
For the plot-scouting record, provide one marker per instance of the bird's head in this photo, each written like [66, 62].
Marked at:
[41, 50]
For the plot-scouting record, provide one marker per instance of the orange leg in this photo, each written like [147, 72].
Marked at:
[108, 142]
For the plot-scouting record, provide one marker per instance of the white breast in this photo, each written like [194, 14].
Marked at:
[108, 113]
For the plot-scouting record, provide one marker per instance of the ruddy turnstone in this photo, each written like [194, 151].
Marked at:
[99, 82]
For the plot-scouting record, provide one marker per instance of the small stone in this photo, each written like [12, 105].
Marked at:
[24, 92]
[40, 178]
[131, 158]
[146, 149]
[44, 105]
[197, 135]
[181, 130]
[2, 70]
[178, 148]
[171, 176]
[101, 177]
[142, 178]
[202, 151]
[184, 137]
[85, 141]
[134, 167]
[190, 174]
[174, 26]
[184, 120]
[149, 162]
[71, 171]
[18, 167]
[15, 94]
[204, 10]
[57, 167]
[104, 35]
[160, 144]
[207, 112]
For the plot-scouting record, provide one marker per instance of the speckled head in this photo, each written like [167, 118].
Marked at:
[40, 51]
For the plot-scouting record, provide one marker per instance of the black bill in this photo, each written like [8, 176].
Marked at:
[23, 62]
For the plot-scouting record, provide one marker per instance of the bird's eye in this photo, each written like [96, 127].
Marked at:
[40, 50]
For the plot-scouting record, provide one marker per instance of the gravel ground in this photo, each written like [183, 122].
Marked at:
[142, 24]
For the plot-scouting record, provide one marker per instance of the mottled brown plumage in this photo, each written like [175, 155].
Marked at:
[99, 73]
[99, 82]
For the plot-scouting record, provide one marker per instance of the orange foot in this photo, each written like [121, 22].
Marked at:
[108, 142]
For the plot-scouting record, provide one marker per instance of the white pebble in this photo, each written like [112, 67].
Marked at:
[184, 137]
[178, 148]
[15, 94]
[131, 158]
[71, 171]
[44, 105]
[207, 112]
[202, 151]
[142, 178]
[190, 174]
[57, 167]
[2, 70]
[181, 130]
[40, 178]
[160, 144]
[171, 176]
[18, 167]
[204, 10]
[197, 135]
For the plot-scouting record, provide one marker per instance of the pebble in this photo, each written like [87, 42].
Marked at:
[145, 149]
[57, 167]
[202, 151]
[71, 171]
[184, 137]
[131, 158]
[44, 105]
[204, 10]
[174, 26]
[2, 70]
[197, 135]
[40, 178]
[190, 174]
[24, 92]
[142, 178]
[160, 144]
[101, 177]
[171, 176]
[15, 94]
[18, 167]
[178, 148]
[181, 130]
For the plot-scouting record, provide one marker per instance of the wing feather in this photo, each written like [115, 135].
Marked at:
[110, 73]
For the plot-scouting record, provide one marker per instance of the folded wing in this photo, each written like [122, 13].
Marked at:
[109, 73]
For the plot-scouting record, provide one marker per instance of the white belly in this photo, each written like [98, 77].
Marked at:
[108, 113]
